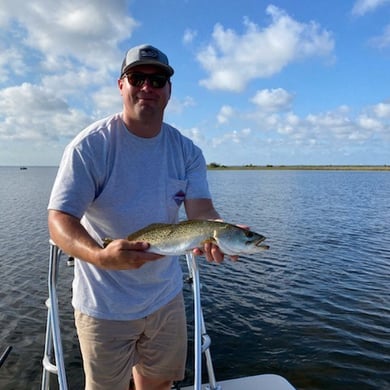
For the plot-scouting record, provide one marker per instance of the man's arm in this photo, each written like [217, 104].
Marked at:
[68, 233]
[200, 209]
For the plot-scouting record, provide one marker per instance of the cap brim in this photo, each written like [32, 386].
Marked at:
[167, 69]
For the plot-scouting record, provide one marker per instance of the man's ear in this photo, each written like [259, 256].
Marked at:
[120, 85]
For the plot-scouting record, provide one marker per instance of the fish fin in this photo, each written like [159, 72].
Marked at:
[211, 240]
[157, 225]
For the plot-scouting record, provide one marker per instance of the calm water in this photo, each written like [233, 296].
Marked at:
[315, 308]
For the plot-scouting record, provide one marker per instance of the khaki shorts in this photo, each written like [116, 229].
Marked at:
[155, 345]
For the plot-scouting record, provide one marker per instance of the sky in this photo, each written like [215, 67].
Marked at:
[256, 82]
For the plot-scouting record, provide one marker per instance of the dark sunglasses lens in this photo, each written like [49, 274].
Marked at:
[155, 80]
[135, 79]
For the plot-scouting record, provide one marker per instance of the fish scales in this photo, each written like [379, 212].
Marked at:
[177, 239]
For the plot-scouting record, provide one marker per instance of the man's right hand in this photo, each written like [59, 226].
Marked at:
[124, 255]
[68, 233]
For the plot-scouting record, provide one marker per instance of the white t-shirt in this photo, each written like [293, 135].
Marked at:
[118, 183]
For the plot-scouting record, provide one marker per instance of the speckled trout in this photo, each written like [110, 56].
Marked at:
[177, 239]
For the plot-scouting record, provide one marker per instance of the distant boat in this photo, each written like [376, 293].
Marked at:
[23, 168]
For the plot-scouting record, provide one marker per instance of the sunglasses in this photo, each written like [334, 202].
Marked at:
[155, 80]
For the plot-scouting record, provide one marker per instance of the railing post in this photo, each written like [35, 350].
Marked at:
[201, 339]
[53, 333]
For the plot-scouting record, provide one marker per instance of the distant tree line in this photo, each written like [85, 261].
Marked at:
[215, 165]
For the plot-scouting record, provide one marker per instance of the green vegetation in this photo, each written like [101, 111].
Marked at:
[214, 165]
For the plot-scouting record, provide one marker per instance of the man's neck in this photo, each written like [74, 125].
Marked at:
[143, 128]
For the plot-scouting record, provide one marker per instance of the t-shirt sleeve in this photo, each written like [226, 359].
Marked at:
[75, 185]
[197, 175]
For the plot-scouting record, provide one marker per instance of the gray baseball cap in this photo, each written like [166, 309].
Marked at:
[146, 55]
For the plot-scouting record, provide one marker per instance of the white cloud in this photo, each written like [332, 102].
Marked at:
[361, 7]
[382, 41]
[280, 137]
[67, 34]
[36, 99]
[334, 127]
[69, 53]
[234, 137]
[195, 135]
[382, 110]
[260, 52]
[272, 100]
[189, 36]
[225, 113]
[11, 60]
[45, 116]
[106, 101]
[177, 106]
[369, 123]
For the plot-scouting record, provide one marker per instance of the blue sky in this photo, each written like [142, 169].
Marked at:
[256, 82]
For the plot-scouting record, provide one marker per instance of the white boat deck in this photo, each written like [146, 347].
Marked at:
[257, 382]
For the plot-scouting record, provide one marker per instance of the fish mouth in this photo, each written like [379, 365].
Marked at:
[259, 241]
[259, 244]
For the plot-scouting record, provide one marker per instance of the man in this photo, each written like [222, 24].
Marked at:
[117, 176]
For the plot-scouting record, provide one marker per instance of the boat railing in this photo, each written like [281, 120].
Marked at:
[53, 359]
[5, 354]
[202, 340]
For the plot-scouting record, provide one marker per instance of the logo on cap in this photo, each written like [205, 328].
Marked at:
[148, 52]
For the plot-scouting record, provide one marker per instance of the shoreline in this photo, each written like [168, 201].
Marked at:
[250, 167]
[216, 167]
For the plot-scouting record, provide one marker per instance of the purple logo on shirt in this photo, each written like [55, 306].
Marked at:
[179, 197]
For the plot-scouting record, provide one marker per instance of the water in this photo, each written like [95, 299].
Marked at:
[314, 308]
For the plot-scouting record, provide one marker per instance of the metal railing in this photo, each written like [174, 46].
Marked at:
[202, 340]
[53, 360]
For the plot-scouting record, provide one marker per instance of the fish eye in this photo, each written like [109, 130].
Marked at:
[248, 233]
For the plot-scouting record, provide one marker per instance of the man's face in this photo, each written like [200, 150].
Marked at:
[144, 99]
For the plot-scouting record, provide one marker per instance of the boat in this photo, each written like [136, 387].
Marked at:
[53, 360]
[256, 382]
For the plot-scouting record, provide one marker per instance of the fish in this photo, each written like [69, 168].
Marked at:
[180, 238]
